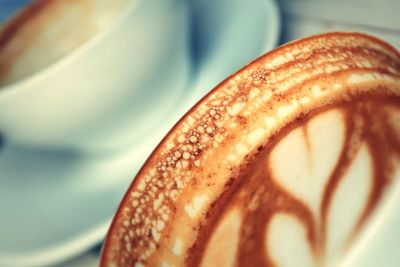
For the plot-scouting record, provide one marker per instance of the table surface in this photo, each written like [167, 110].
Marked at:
[299, 18]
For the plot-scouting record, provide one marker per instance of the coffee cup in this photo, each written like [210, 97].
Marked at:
[91, 75]
[292, 161]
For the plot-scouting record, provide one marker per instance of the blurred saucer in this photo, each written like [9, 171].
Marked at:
[55, 206]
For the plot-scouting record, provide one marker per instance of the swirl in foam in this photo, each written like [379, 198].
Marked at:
[280, 165]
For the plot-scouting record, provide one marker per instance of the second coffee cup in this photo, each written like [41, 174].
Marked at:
[91, 75]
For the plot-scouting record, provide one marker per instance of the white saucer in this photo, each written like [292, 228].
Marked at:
[56, 206]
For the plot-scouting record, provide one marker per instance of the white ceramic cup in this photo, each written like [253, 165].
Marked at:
[99, 95]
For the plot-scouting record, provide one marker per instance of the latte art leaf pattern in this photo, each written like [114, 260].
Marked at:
[281, 165]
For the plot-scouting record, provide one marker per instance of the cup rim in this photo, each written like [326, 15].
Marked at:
[65, 60]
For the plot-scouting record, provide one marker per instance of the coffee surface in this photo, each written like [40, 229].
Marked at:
[45, 31]
[303, 197]
[283, 164]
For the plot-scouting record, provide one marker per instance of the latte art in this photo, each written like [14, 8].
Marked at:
[301, 201]
[282, 165]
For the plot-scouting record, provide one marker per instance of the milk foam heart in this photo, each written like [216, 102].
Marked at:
[283, 164]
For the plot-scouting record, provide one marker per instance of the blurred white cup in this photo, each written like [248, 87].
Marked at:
[91, 75]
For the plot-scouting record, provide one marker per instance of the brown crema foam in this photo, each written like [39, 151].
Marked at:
[25, 15]
[211, 180]
[255, 182]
